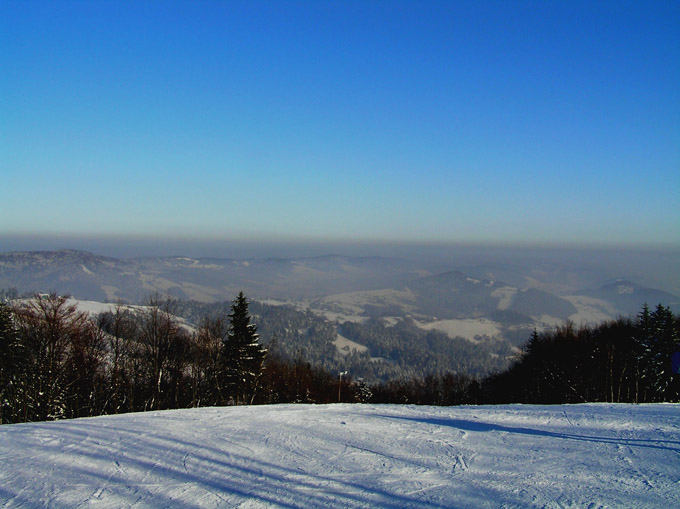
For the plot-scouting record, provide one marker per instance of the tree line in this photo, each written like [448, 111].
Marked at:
[58, 362]
[627, 360]
[632, 360]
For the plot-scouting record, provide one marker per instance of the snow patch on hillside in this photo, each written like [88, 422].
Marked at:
[346, 346]
[505, 295]
[590, 311]
[469, 328]
[94, 308]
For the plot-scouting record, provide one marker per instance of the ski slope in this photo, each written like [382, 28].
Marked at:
[349, 456]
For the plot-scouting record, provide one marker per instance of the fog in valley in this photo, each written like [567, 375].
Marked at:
[563, 268]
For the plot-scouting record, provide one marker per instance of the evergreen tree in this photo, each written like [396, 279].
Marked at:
[663, 340]
[243, 357]
[12, 368]
[644, 353]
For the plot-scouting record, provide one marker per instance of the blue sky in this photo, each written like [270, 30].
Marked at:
[493, 122]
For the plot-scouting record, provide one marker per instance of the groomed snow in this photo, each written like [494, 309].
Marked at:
[349, 456]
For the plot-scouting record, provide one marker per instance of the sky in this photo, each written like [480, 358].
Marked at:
[495, 122]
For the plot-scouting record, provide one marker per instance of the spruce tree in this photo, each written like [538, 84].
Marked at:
[12, 368]
[665, 340]
[644, 351]
[243, 356]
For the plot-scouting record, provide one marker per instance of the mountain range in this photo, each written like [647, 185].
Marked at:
[366, 286]
[89, 276]
[365, 315]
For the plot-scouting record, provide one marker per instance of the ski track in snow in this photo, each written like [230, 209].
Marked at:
[306, 456]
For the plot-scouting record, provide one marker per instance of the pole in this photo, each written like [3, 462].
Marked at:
[340, 383]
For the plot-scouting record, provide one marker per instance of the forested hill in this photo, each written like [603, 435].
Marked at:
[59, 362]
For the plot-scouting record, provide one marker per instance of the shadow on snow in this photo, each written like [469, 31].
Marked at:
[485, 427]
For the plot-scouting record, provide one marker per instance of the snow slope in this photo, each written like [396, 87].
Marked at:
[349, 456]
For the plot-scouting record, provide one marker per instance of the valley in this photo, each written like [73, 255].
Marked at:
[376, 317]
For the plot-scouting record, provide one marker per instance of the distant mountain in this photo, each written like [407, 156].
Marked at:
[456, 295]
[372, 286]
[538, 303]
[88, 276]
[628, 297]
[78, 273]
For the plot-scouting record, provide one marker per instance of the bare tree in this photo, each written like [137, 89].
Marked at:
[159, 334]
[47, 325]
[206, 369]
[122, 332]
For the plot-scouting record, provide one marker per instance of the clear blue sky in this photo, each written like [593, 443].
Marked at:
[539, 122]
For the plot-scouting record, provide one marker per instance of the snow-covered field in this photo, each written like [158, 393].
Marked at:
[349, 456]
[468, 328]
